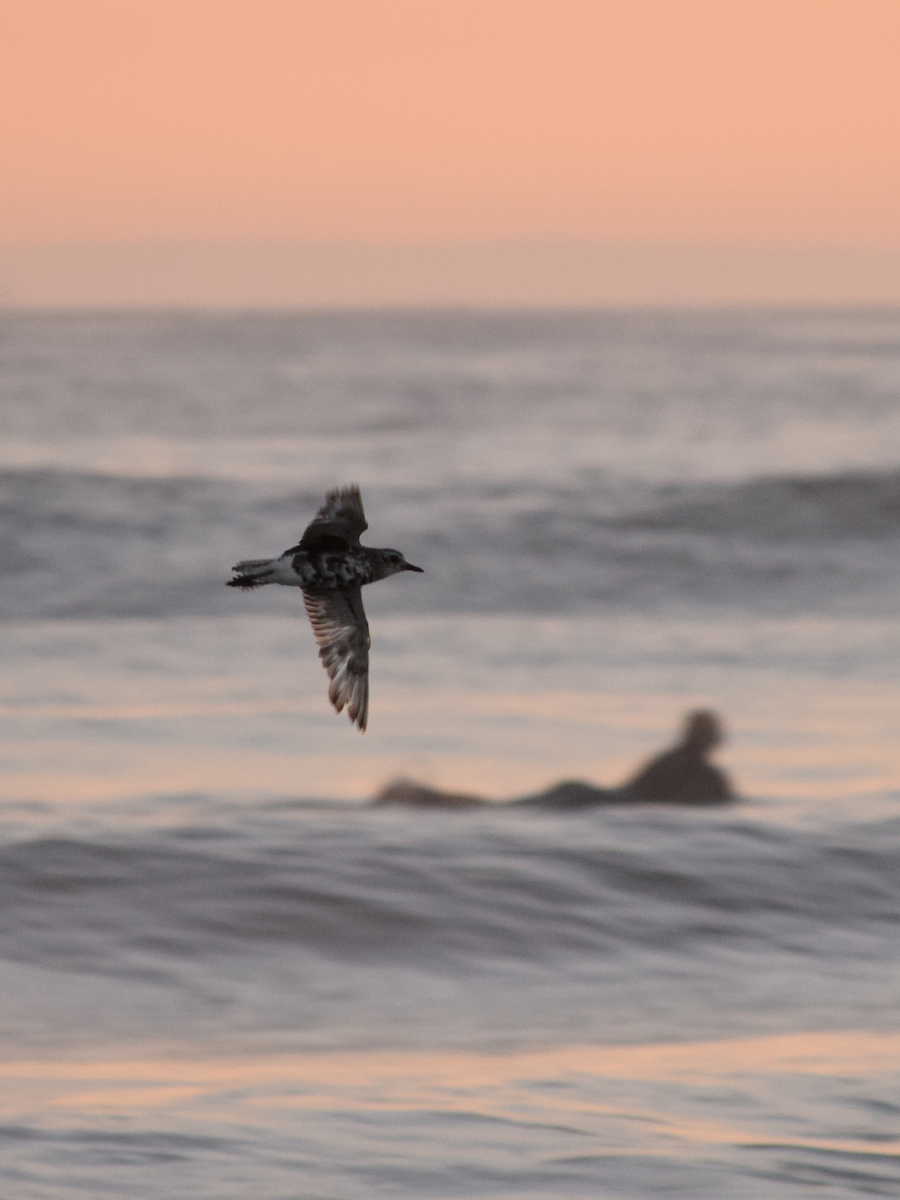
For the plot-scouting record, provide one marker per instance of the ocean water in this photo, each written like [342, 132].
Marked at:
[224, 974]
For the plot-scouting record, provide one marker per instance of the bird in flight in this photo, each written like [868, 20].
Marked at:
[331, 567]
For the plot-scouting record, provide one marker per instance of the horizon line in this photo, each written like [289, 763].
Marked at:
[486, 274]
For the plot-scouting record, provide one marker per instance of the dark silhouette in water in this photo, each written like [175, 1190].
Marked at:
[682, 775]
[407, 791]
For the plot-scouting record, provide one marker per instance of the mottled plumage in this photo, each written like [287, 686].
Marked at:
[331, 567]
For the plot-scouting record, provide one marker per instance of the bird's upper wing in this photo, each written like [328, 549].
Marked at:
[341, 518]
[342, 631]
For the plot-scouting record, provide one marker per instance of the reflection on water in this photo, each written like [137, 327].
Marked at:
[563, 1109]
[499, 708]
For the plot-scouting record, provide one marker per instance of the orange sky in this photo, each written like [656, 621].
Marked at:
[732, 121]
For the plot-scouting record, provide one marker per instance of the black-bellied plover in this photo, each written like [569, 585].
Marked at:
[331, 567]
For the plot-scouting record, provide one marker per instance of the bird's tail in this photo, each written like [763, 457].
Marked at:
[252, 572]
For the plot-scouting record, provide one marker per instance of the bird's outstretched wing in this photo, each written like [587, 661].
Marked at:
[340, 519]
[342, 632]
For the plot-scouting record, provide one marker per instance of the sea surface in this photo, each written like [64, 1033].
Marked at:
[224, 975]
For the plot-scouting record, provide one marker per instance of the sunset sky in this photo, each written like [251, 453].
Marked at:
[722, 124]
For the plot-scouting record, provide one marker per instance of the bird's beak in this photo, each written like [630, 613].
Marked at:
[410, 567]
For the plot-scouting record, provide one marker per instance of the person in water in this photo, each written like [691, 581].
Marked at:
[682, 775]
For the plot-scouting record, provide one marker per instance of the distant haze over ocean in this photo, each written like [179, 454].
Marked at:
[528, 274]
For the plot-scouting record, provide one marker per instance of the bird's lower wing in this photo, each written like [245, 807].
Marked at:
[342, 632]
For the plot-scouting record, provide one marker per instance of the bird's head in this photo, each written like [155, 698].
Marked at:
[391, 562]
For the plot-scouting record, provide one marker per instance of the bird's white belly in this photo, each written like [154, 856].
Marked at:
[283, 572]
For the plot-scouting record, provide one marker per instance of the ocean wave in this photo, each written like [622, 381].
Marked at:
[491, 887]
[76, 544]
